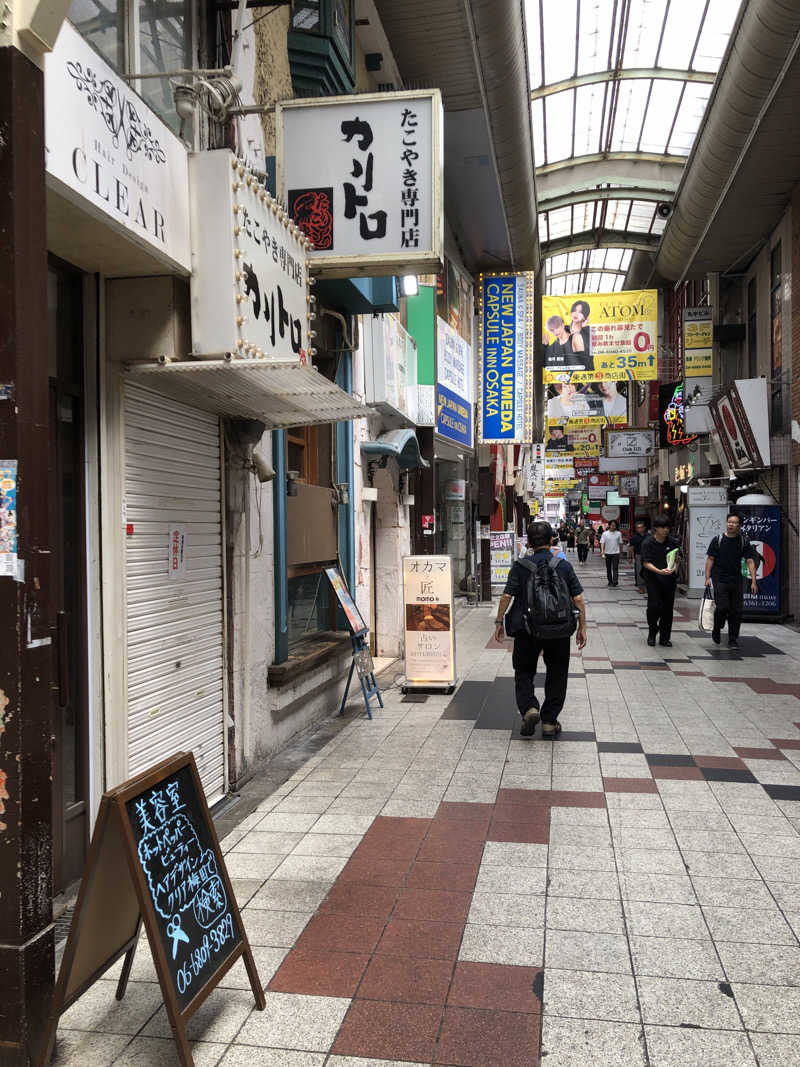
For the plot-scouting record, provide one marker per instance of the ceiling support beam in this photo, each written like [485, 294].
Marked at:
[641, 242]
[584, 270]
[625, 192]
[601, 76]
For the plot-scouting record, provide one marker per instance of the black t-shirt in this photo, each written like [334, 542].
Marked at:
[636, 542]
[655, 552]
[518, 580]
[728, 553]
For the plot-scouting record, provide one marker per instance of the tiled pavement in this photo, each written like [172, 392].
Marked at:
[431, 888]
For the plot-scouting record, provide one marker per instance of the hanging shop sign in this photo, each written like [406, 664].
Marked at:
[506, 359]
[155, 860]
[585, 465]
[698, 330]
[111, 155]
[454, 386]
[761, 525]
[627, 444]
[560, 485]
[741, 419]
[704, 496]
[362, 177]
[672, 426]
[501, 555]
[629, 484]
[430, 647]
[249, 286]
[601, 336]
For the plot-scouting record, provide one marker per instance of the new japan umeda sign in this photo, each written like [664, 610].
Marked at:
[506, 367]
[362, 177]
[249, 285]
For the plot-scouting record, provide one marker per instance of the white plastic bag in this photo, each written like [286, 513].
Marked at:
[705, 618]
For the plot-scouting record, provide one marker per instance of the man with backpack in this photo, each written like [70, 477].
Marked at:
[548, 608]
[726, 561]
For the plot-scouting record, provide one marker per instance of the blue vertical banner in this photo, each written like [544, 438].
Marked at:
[506, 365]
[761, 525]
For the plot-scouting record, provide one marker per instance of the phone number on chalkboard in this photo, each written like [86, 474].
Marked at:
[198, 958]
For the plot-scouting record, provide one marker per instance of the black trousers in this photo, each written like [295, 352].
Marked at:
[556, 662]
[660, 602]
[583, 552]
[728, 607]
[612, 567]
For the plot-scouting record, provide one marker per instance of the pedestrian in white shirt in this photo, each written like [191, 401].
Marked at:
[610, 547]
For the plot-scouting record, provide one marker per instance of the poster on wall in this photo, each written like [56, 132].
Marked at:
[761, 525]
[601, 336]
[505, 411]
[599, 403]
[705, 523]
[8, 518]
[362, 178]
[430, 648]
[453, 386]
[698, 332]
[501, 555]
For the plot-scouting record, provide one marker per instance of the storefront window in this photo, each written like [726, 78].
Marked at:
[305, 16]
[309, 606]
[103, 26]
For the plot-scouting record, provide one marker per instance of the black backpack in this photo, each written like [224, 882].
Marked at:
[549, 611]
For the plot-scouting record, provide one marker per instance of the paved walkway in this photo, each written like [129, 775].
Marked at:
[431, 888]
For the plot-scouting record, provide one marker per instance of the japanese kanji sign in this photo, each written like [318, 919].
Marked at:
[362, 177]
[429, 623]
[506, 369]
[250, 279]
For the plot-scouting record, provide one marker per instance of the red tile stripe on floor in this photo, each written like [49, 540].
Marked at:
[389, 932]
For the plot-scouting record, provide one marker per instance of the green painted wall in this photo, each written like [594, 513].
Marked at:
[422, 327]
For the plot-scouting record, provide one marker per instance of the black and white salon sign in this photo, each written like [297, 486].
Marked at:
[107, 151]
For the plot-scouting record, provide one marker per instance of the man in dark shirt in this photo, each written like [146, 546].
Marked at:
[559, 354]
[635, 550]
[724, 572]
[556, 652]
[660, 582]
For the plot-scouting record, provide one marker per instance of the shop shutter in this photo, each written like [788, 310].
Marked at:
[175, 626]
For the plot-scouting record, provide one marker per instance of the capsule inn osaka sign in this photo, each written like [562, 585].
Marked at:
[110, 154]
[249, 284]
[506, 372]
[362, 177]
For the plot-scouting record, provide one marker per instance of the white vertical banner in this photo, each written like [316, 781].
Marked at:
[429, 624]
[705, 523]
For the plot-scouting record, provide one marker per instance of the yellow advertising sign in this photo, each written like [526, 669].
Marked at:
[560, 485]
[591, 337]
[698, 336]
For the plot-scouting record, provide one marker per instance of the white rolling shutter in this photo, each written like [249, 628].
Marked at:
[175, 626]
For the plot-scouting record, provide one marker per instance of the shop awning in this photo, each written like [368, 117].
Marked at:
[401, 445]
[278, 394]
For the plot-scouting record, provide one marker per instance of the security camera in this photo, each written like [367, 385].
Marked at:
[261, 468]
[664, 210]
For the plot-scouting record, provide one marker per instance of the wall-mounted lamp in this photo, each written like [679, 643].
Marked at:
[291, 482]
[409, 285]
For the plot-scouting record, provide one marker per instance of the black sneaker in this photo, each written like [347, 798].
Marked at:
[715, 635]
[651, 642]
[733, 644]
[529, 722]
[665, 644]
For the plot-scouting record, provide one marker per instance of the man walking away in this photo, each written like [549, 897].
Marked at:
[635, 551]
[724, 572]
[660, 581]
[610, 544]
[582, 541]
[547, 598]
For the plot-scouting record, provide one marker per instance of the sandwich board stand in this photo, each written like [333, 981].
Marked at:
[362, 658]
[155, 861]
[429, 624]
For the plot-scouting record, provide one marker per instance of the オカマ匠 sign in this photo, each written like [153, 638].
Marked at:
[362, 177]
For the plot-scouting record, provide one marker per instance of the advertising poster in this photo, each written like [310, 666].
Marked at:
[453, 386]
[698, 330]
[630, 444]
[501, 555]
[606, 401]
[601, 336]
[506, 368]
[585, 442]
[428, 620]
[8, 518]
[761, 525]
[346, 602]
[705, 523]
[735, 432]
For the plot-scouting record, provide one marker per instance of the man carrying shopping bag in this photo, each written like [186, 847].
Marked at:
[725, 573]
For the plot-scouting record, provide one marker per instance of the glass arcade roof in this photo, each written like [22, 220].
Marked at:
[619, 88]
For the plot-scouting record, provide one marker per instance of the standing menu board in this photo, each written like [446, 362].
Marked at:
[346, 602]
[155, 861]
[430, 644]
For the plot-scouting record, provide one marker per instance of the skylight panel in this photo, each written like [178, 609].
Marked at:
[559, 34]
[533, 36]
[690, 115]
[594, 35]
[715, 34]
[617, 214]
[680, 32]
[631, 104]
[560, 222]
[537, 115]
[644, 29]
[588, 118]
[660, 116]
[558, 116]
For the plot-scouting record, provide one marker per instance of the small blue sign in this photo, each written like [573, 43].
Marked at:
[453, 416]
[761, 526]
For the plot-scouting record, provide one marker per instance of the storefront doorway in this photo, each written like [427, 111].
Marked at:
[70, 761]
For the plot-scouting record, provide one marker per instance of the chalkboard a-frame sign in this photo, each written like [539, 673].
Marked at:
[155, 860]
